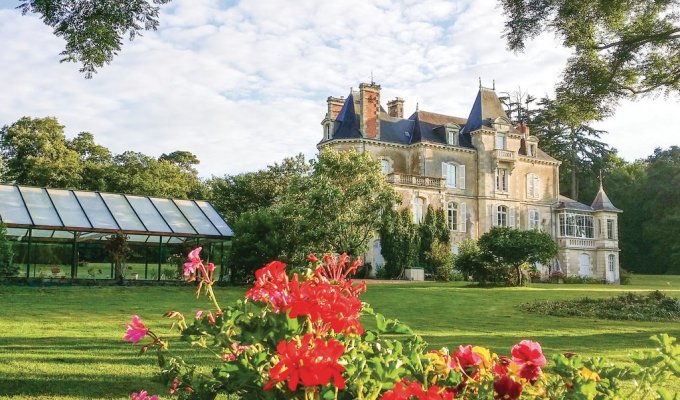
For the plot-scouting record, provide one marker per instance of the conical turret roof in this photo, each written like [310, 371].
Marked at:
[602, 202]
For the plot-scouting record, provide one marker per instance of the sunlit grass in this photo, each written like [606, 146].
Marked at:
[66, 342]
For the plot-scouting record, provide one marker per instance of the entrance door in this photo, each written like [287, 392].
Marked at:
[378, 259]
[585, 265]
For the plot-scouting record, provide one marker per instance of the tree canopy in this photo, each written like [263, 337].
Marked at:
[621, 49]
[94, 30]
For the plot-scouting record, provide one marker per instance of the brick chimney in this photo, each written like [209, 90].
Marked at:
[369, 95]
[395, 108]
[523, 129]
[334, 106]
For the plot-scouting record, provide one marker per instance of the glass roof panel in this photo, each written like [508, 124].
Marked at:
[173, 216]
[40, 206]
[123, 212]
[68, 208]
[12, 209]
[96, 210]
[215, 218]
[198, 220]
[62, 235]
[138, 238]
[148, 214]
[42, 233]
[17, 232]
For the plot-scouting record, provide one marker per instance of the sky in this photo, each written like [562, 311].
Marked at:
[243, 84]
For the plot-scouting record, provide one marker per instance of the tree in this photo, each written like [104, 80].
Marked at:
[440, 258]
[562, 135]
[234, 195]
[433, 229]
[399, 241]
[186, 160]
[94, 30]
[118, 248]
[36, 153]
[621, 49]
[344, 198]
[509, 249]
[96, 161]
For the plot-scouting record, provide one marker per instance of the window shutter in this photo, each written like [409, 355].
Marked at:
[536, 186]
[444, 170]
[461, 176]
[511, 211]
[530, 192]
[537, 218]
[494, 215]
[462, 217]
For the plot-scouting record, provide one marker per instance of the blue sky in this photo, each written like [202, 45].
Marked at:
[243, 84]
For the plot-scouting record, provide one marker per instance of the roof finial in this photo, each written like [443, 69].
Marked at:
[416, 106]
[494, 84]
[372, 81]
[601, 180]
[480, 82]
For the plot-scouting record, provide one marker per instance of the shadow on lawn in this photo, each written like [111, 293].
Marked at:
[100, 387]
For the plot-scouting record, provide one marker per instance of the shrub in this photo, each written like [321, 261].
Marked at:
[300, 336]
[7, 267]
[625, 277]
[440, 258]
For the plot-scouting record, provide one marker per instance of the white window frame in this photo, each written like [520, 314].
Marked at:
[453, 174]
[533, 185]
[531, 149]
[576, 225]
[452, 215]
[502, 216]
[451, 137]
[417, 209]
[610, 229]
[501, 141]
[385, 166]
[534, 219]
[502, 180]
[611, 262]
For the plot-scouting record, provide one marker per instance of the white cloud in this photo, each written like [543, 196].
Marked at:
[243, 85]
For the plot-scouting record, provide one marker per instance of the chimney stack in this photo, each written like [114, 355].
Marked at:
[396, 108]
[523, 129]
[369, 94]
[334, 106]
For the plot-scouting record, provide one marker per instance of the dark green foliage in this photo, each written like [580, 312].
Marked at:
[654, 306]
[399, 241]
[621, 49]
[94, 30]
[433, 229]
[508, 252]
[440, 258]
[118, 248]
[7, 266]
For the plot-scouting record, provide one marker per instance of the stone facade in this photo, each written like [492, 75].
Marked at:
[483, 171]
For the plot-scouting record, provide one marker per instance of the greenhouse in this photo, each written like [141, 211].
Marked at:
[61, 233]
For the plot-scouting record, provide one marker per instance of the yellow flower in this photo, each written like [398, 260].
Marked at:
[486, 356]
[588, 374]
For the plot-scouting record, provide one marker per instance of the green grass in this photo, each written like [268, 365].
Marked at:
[66, 342]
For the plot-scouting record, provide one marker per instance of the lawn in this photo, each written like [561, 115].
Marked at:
[66, 342]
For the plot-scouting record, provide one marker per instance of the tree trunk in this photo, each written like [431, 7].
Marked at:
[574, 161]
[519, 275]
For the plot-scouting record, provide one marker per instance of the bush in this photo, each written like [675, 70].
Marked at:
[441, 259]
[625, 277]
[7, 267]
[576, 279]
[654, 306]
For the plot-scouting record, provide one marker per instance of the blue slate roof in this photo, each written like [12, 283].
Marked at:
[346, 125]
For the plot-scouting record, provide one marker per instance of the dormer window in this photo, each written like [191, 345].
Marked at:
[452, 134]
[531, 150]
[327, 131]
[500, 141]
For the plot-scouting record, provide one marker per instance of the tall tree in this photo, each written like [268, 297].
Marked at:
[96, 161]
[94, 30]
[36, 153]
[621, 49]
[564, 136]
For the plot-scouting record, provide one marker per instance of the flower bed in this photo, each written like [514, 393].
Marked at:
[298, 335]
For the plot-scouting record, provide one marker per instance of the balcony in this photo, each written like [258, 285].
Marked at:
[505, 155]
[416, 180]
[577, 243]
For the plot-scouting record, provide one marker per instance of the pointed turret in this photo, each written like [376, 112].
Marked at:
[602, 202]
[486, 108]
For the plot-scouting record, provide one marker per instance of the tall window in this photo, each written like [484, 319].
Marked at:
[418, 204]
[451, 136]
[534, 219]
[502, 179]
[500, 141]
[328, 131]
[450, 175]
[502, 216]
[610, 229]
[611, 262]
[385, 164]
[533, 184]
[452, 215]
[576, 225]
[531, 150]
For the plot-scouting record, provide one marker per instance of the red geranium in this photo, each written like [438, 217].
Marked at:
[271, 285]
[405, 390]
[507, 389]
[311, 362]
[529, 356]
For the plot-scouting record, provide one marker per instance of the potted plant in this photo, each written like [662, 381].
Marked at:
[55, 270]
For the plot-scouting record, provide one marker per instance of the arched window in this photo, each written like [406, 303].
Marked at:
[452, 215]
[418, 204]
[502, 216]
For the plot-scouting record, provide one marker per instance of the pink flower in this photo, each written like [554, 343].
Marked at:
[194, 261]
[135, 330]
[529, 356]
[210, 267]
[312, 258]
[199, 314]
[271, 286]
[142, 395]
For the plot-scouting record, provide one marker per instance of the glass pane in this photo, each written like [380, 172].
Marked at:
[96, 210]
[62, 235]
[69, 209]
[40, 207]
[40, 233]
[123, 212]
[12, 209]
[148, 214]
[17, 233]
[172, 215]
[138, 238]
[215, 218]
[196, 217]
